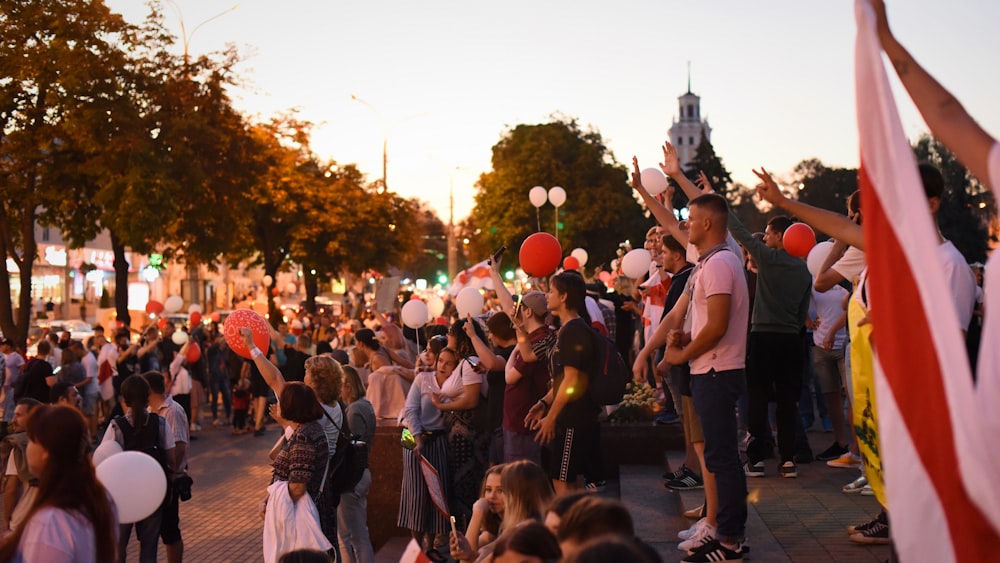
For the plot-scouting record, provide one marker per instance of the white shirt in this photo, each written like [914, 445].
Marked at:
[829, 307]
[55, 535]
[90, 365]
[961, 282]
[177, 425]
[850, 264]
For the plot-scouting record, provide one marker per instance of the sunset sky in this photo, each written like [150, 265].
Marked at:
[447, 78]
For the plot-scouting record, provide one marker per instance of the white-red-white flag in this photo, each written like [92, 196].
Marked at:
[942, 492]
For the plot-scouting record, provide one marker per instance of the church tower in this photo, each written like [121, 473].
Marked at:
[687, 129]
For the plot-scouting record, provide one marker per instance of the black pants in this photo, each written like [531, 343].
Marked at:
[774, 372]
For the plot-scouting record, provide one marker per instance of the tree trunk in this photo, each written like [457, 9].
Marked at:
[312, 288]
[273, 312]
[121, 281]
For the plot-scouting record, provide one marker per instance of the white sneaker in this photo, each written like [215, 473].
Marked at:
[703, 535]
[686, 534]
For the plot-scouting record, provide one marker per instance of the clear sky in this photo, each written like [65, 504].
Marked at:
[447, 77]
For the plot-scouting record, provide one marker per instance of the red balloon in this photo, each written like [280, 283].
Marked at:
[154, 307]
[246, 318]
[571, 263]
[193, 352]
[799, 239]
[195, 319]
[605, 277]
[540, 255]
[275, 292]
[161, 322]
[216, 317]
[414, 297]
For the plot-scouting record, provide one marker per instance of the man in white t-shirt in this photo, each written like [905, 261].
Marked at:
[718, 303]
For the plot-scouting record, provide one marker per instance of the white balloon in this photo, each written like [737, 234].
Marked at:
[557, 196]
[635, 264]
[173, 304]
[179, 337]
[435, 306]
[580, 255]
[195, 308]
[414, 313]
[653, 180]
[107, 449]
[817, 255]
[538, 196]
[469, 302]
[267, 280]
[136, 482]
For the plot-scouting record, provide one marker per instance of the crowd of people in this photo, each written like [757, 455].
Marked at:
[502, 447]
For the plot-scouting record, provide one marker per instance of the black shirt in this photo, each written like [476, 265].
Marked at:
[575, 348]
[496, 385]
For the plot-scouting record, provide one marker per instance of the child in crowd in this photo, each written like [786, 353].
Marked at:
[241, 404]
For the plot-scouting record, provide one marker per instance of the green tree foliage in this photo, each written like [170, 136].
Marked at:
[599, 212]
[60, 62]
[822, 186]
[959, 221]
[707, 161]
[431, 258]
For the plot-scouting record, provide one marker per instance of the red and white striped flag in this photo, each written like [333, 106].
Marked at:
[942, 492]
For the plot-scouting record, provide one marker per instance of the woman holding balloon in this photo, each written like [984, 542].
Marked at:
[73, 519]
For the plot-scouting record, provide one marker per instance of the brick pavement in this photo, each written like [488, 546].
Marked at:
[220, 524]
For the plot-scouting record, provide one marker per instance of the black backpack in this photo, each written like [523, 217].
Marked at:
[349, 462]
[145, 439]
[607, 383]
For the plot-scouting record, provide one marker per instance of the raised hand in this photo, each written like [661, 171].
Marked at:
[704, 184]
[768, 189]
[637, 177]
[670, 165]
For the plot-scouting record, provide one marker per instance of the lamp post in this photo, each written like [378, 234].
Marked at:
[185, 36]
[385, 135]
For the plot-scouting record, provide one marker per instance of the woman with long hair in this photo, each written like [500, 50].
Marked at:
[352, 514]
[417, 512]
[462, 401]
[566, 417]
[487, 515]
[73, 518]
[527, 492]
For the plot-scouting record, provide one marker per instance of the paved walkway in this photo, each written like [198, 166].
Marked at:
[220, 523]
[801, 519]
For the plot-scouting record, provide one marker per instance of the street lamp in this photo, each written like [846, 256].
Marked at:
[539, 195]
[385, 135]
[185, 36]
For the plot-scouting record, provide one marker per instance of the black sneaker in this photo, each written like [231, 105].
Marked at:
[851, 530]
[788, 469]
[754, 469]
[686, 482]
[676, 474]
[714, 551]
[876, 534]
[833, 452]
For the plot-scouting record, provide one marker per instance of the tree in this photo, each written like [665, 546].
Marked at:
[431, 258]
[600, 210]
[705, 160]
[959, 222]
[824, 187]
[60, 62]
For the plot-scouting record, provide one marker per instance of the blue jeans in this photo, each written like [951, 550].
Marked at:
[352, 523]
[219, 385]
[715, 394]
[148, 533]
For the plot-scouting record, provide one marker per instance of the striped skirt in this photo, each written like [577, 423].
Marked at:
[416, 511]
